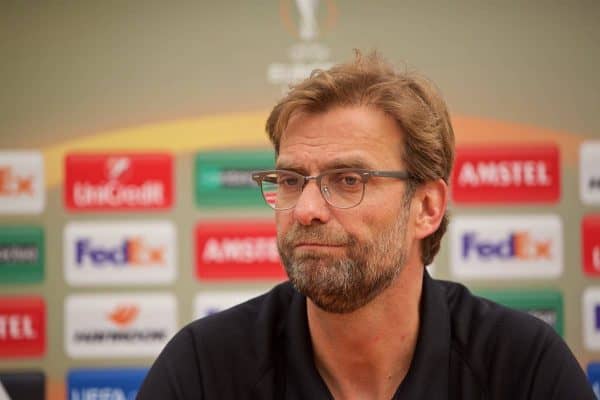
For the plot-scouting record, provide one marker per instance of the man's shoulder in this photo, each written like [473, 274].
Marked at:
[501, 347]
[477, 320]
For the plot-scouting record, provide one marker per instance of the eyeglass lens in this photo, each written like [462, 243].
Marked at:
[282, 189]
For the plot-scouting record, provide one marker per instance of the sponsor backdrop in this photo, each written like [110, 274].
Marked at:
[128, 132]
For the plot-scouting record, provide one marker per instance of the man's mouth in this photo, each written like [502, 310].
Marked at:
[316, 245]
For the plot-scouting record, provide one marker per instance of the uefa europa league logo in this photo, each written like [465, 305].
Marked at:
[309, 28]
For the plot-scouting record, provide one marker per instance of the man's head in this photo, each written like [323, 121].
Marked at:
[362, 114]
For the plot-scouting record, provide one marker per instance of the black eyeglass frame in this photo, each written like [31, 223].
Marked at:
[364, 174]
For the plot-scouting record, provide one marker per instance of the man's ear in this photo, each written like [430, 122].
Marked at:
[431, 199]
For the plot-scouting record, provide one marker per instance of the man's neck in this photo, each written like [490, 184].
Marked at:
[367, 353]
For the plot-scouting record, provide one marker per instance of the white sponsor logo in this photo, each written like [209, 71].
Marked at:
[591, 318]
[115, 193]
[244, 251]
[516, 246]
[212, 302]
[16, 327]
[308, 54]
[21, 182]
[119, 253]
[589, 172]
[101, 393]
[504, 173]
[119, 325]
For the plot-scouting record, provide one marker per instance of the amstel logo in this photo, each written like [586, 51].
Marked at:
[237, 250]
[506, 174]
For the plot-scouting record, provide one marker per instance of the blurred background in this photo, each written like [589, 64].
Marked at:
[127, 130]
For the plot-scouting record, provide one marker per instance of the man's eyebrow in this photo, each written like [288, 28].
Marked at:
[354, 162]
[336, 163]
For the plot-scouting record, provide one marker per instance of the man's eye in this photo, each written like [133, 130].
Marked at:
[347, 179]
[350, 180]
[288, 181]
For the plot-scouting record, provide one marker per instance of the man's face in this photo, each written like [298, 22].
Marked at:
[343, 258]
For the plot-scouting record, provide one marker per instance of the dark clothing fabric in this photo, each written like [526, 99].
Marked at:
[468, 348]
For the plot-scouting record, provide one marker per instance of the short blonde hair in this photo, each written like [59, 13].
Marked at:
[411, 99]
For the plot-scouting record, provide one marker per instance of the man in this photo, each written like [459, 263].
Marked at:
[364, 154]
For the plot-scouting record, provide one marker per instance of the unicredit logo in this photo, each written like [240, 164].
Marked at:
[499, 174]
[126, 181]
[516, 245]
[130, 252]
[237, 250]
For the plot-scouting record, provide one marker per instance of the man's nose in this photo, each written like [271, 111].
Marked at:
[311, 206]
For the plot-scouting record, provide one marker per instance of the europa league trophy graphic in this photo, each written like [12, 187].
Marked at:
[309, 28]
[309, 53]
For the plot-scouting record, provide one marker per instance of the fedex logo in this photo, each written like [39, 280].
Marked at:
[130, 252]
[237, 250]
[22, 327]
[21, 182]
[118, 181]
[12, 184]
[120, 253]
[501, 174]
[506, 246]
[590, 244]
[516, 245]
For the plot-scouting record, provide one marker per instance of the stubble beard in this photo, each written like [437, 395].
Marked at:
[342, 284]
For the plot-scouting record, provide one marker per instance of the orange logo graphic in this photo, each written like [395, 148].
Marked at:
[11, 184]
[124, 315]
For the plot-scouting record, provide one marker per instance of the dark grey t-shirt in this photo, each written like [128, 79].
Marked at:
[468, 348]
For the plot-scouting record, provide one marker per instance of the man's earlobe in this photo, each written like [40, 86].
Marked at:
[432, 197]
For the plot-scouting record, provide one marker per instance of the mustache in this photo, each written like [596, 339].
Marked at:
[315, 234]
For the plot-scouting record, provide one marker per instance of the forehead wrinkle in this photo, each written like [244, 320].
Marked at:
[346, 161]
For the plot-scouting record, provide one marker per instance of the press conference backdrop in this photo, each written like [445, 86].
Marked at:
[127, 131]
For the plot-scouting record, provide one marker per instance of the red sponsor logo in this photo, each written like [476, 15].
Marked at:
[13, 184]
[124, 315]
[503, 174]
[118, 181]
[590, 244]
[237, 250]
[22, 327]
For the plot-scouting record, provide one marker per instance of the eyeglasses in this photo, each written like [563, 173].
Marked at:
[341, 188]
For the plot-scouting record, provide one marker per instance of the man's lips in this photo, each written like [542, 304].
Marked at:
[317, 245]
